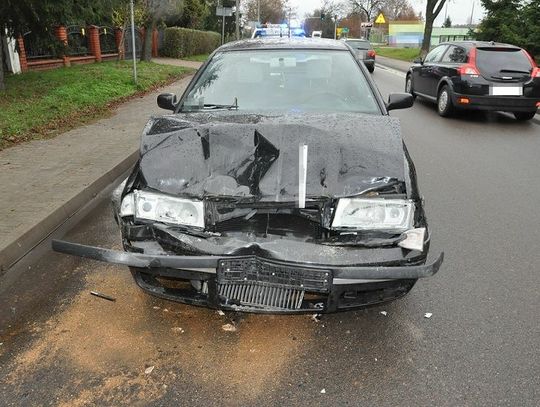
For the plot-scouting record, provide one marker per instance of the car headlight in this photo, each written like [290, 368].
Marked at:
[393, 215]
[163, 208]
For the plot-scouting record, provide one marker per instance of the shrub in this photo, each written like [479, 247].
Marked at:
[184, 42]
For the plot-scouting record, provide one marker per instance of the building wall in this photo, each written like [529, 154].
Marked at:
[411, 33]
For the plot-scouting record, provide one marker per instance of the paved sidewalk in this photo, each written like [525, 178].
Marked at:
[45, 182]
[177, 62]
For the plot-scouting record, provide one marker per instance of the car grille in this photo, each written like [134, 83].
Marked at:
[259, 283]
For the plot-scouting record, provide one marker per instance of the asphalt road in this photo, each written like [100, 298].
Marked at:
[480, 178]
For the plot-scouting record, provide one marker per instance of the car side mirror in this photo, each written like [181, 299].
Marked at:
[418, 61]
[167, 101]
[399, 101]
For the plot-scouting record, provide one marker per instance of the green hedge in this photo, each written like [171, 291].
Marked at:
[184, 42]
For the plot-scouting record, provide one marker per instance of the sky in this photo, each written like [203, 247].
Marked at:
[458, 10]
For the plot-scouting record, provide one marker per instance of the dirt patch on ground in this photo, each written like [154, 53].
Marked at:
[109, 348]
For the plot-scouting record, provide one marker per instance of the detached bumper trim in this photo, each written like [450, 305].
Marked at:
[208, 264]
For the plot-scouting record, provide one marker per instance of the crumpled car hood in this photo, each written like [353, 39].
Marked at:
[254, 157]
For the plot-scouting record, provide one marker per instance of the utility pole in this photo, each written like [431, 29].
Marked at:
[237, 18]
[472, 12]
[335, 27]
[259, 11]
[133, 49]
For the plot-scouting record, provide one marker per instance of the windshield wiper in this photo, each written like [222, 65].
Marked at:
[210, 106]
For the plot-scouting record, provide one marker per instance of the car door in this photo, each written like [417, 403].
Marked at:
[450, 61]
[427, 72]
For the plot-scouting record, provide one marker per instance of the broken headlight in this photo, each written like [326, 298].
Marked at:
[392, 215]
[163, 208]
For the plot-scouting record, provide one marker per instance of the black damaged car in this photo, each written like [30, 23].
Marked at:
[278, 184]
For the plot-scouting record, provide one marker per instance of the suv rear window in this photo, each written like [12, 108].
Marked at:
[502, 62]
[360, 44]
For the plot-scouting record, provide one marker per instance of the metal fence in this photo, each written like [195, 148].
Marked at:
[77, 41]
[38, 48]
[128, 43]
[107, 41]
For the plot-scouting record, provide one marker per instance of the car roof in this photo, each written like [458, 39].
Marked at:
[284, 43]
[482, 44]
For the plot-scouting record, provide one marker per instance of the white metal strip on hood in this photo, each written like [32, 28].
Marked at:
[302, 174]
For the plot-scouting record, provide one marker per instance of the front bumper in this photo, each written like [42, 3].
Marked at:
[333, 287]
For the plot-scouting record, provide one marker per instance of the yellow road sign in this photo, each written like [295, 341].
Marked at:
[380, 19]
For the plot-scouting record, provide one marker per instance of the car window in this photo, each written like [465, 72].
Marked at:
[455, 54]
[498, 61]
[435, 54]
[283, 80]
[360, 44]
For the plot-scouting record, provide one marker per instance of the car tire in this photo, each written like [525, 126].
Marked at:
[371, 68]
[409, 86]
[523, 116]
[445, 107]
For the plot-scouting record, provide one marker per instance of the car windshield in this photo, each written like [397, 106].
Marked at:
[282, 80]
[360, 44]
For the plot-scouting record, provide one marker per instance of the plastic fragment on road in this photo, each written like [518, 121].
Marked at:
[428, 315]
[228, 328]
[384, 313]
[323, 391]
[104, 296]
[220, 313]
[148, 370]
[316, 317]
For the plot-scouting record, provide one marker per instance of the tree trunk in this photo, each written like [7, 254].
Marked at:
[2, 84]
[146, 54]
[426, 41]
[122, 44]
[433, 8]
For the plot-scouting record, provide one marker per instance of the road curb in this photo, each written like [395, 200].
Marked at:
[24, 243]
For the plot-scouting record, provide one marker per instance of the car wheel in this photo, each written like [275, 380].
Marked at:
[371, 68]
[522, 116]
[445, 107]
[409, 86]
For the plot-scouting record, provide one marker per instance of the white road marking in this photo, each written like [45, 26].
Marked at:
[391, 70]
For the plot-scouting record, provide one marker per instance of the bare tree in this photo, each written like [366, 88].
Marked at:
[152, 12]
[433, 8]
[399, 10]
[368, 7]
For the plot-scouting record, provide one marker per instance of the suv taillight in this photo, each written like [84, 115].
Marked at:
[371, 53]
[470, 67]
[535, 73]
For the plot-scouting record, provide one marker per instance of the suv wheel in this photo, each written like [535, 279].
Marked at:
[409, 86]
[445, 107]
[522, 116]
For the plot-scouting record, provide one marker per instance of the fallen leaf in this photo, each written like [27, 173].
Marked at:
[228, 328]
[148, 370]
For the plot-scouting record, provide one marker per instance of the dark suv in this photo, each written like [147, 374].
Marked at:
[364, 51]
[477, 75]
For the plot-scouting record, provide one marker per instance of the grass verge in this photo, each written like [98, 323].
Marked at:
[404, 54]
[42, 104]
[197, 58]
